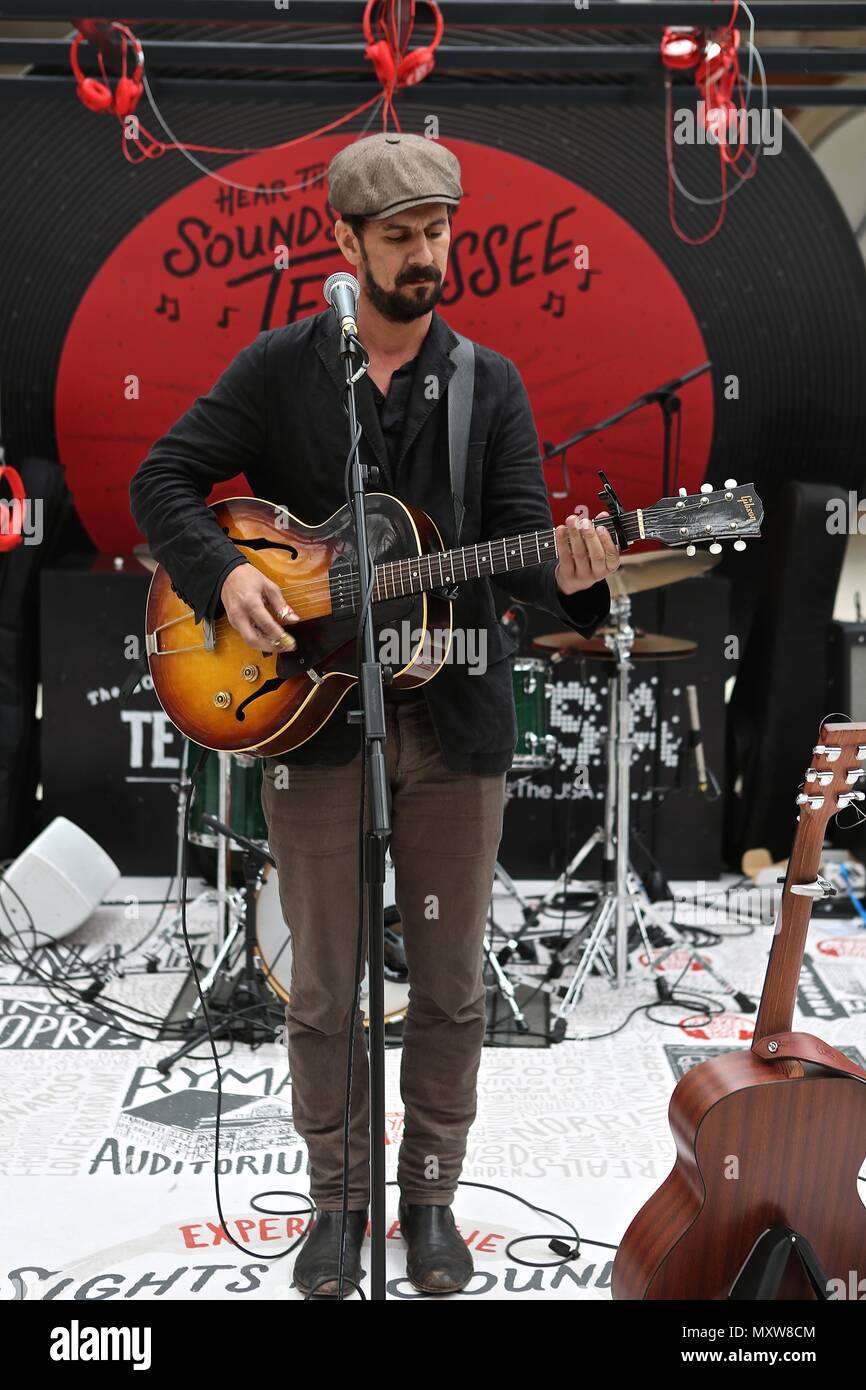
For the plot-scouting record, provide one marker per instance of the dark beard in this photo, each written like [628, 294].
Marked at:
[391, 304]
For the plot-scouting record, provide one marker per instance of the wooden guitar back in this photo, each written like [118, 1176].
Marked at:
[755, 1149]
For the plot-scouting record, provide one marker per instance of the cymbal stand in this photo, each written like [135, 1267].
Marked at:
[624, 901]
[622, 898]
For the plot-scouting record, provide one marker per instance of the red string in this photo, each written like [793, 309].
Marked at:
[715, 98]
[683, 236]
[158, 147]
[387, 17]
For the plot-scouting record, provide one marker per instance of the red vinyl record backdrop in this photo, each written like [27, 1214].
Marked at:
[539, 269]
[128, 289]
[156, 275]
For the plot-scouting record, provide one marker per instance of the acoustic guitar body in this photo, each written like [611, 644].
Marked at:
[755, 1148]
[227, 696]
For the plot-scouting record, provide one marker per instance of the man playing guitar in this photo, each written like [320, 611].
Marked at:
[275, 415]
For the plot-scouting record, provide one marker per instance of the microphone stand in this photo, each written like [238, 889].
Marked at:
[666, 397]
[372, 716]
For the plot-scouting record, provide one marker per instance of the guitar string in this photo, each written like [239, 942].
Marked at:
[310, 589]
[527, 538]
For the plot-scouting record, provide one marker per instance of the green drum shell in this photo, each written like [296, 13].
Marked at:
[532, 690]
[245, 788]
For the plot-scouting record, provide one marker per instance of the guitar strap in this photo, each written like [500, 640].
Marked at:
[805, 1047]
[461, 388]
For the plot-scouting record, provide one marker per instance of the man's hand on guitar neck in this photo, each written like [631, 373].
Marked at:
[586, 554]
[256, 608]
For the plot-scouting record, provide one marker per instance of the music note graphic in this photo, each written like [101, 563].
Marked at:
[556, 302]
[169, 306]
[585, 283]
[223, 321]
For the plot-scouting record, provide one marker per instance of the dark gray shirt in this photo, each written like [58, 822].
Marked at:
[392, 409]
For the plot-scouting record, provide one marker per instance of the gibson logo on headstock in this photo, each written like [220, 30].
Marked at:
[747, 500]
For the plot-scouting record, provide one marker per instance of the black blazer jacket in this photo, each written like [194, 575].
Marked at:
[275, 415]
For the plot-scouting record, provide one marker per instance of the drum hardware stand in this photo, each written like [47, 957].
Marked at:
[503, 985]
[248, 992]
[532, 913]
[511, 888]
[623, 893]
[228, 900]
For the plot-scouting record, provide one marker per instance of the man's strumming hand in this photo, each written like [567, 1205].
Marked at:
[256, 608]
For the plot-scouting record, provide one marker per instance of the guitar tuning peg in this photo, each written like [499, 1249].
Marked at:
[730, 482]
[715, 548]
[739, 545]
[706, 487]
[684, 492]
[691, 550]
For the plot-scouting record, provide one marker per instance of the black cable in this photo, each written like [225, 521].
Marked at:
[543, 1211]
[148, 934]
[260, 1254]
[645, 1008]
[101, 1015]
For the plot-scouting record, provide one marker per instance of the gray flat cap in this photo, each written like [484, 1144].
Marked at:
[387, 173]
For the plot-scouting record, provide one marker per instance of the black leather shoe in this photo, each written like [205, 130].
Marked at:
[320, 1254]
[438, 1259]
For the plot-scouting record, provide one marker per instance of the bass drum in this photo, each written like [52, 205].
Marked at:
[275, 946]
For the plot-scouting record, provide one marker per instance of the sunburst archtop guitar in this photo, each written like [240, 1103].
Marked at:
[227, 696]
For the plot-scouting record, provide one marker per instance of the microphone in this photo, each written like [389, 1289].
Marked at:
[341, 291]
[696, 740]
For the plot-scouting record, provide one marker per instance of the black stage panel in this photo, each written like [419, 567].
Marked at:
[106, 766]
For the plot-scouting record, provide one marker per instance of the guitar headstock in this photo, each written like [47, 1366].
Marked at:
[836, 776]
[731, 512]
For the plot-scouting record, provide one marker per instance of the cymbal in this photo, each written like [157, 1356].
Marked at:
[653, 568]
[144, 557]
[648, 646]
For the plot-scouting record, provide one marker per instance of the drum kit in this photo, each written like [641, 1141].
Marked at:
[621, 904]
[229, 789]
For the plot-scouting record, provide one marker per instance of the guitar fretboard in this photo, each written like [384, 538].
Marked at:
[442, 568]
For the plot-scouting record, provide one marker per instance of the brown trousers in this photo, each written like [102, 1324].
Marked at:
[445, 832]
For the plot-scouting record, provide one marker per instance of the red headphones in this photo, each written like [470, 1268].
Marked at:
[392, 70]
[13, 536]
[715, 59]
[681, 48]
[98, 96]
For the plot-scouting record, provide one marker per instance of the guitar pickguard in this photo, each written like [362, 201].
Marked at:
[328, 644]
